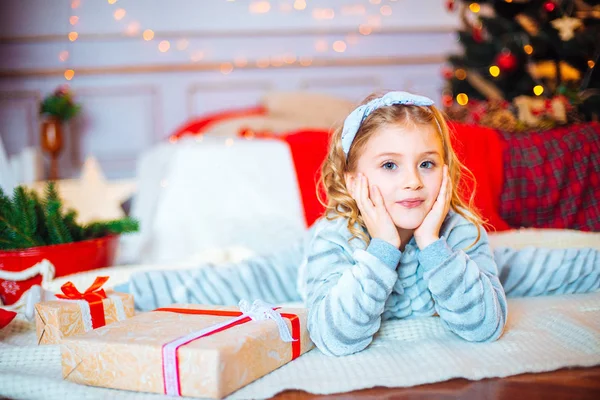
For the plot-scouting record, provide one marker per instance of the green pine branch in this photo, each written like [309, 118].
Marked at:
[28, 221]
[99, 229]
[57, 229]
[13, 230]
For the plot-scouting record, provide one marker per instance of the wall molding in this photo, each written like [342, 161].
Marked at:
[117, 36]
[127, 90]
[231, 86]
[33, 98]
[366, 80]
[216, 66]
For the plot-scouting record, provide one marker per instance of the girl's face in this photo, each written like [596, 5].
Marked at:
[406, 163]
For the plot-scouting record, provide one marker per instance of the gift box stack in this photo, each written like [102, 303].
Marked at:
[76, 313]
[183, 350]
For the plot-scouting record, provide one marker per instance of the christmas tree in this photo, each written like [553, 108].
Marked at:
[527, 64]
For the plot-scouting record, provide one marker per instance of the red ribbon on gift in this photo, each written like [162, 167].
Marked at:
[93, 295]
[223, 313]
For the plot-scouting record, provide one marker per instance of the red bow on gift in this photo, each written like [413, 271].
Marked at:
[93, 295]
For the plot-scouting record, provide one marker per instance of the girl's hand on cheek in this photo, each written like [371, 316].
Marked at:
[429, 230]
[374, 213]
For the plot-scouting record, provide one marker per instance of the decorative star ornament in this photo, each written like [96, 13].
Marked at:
[92, 196]
[566, 27]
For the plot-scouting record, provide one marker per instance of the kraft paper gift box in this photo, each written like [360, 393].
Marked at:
[76, 313]
[186, 350]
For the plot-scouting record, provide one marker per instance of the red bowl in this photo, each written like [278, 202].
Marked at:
[67, 258]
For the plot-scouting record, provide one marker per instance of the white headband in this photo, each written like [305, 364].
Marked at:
[356, 117]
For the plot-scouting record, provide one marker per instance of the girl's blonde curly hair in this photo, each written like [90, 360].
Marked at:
[339, 203]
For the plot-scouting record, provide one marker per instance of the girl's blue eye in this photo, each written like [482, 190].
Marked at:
[427, 164]
[389, 165]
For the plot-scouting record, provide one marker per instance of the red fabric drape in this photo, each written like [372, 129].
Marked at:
[481, 150]
[309, 149]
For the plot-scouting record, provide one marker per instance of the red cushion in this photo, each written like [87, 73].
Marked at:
[200, 125]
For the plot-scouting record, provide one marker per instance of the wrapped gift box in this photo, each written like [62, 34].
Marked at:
[177, 351]
[78, 313]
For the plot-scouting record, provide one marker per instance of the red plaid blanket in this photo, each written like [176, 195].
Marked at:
[552, 178]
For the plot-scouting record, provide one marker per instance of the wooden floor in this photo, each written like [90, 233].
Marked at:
[571, 384]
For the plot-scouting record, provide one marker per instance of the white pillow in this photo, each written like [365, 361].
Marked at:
[199, 196]
[314, 109]
[550, 238]
[276, 125]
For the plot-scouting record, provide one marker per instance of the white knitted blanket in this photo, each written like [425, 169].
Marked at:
[542, 334]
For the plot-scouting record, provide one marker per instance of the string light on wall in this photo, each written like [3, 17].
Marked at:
[69, 74]
[226, 68]
[323, 13]
[339, 46]
[119, 14]
[133, 28]
[259, 7]
[148, 35]
[299, 5]
[370, 23]
[72, 36]
[164, 46]
[63, 55]
[262, 62]
[386, 10]
[305, 61]
[365, 29]
[290, 58]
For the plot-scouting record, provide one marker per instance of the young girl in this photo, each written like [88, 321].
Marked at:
[396, 241]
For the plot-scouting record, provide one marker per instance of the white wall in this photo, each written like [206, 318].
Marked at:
[134, 95]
